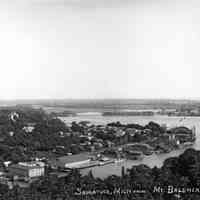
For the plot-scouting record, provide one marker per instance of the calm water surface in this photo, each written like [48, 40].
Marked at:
[151, 161]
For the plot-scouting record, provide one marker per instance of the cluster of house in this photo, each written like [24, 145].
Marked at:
[107, 138]
[99, 137]
[176, 138]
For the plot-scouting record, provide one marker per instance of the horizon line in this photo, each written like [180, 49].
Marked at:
[101, 99]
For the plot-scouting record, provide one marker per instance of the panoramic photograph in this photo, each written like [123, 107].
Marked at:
[99, 100]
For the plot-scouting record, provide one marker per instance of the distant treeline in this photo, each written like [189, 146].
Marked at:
[63, 114]
[127, 113]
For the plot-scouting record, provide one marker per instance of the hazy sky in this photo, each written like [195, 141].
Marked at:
[99, 49]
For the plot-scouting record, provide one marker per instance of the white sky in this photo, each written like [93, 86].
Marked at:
[99, 49]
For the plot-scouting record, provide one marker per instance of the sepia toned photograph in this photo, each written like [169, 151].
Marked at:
[100, 100]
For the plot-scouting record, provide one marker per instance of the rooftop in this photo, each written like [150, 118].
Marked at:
[25, 167]
[73, 158]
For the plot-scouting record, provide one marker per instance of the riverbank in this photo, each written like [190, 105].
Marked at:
[157, 159]
[129, 141]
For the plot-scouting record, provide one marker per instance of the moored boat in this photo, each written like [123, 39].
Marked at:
[105, 161]
[119, 160]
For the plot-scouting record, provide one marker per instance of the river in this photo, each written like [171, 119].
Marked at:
[151, 161]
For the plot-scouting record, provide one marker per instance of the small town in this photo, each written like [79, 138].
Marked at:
[34, 143]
